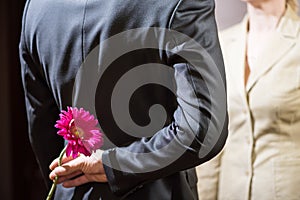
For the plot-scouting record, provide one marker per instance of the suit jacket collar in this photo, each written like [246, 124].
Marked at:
[280, 42]
[283, 40]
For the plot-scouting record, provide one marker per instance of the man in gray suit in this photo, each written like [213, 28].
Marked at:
[152, 72]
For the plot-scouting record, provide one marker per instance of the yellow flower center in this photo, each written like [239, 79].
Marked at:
[78, 132]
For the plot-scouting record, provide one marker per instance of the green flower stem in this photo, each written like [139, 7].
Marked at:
[53, 187]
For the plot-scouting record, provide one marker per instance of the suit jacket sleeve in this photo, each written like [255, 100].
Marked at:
[42, 110]
[199, 129]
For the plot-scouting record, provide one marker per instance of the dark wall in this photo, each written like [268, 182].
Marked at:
[20, 177]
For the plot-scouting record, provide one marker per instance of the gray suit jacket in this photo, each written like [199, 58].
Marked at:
[79, 53]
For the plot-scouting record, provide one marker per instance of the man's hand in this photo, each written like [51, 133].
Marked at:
[83, 169]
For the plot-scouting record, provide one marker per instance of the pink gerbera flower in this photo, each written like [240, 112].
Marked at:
[79, 128]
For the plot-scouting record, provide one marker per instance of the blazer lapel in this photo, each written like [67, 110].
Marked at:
[236, 52]
[279, 44]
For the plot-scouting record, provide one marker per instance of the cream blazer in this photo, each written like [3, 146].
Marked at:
[261, 160]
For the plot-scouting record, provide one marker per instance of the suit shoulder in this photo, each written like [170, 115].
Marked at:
[185, 9]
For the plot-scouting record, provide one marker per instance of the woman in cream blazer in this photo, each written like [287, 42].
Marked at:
[261, 160]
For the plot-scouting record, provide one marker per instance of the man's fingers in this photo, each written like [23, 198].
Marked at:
[58, 171]
[69, 176]
[64, 160]
[53, 164]
[86, 178]
[76, 182]
[68, 168]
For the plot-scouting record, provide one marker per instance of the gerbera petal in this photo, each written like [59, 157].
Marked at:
[68, 150]
[84, 151]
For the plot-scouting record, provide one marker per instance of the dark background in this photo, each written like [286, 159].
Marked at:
[19, 173]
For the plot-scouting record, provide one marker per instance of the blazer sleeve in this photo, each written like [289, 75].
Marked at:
[199, 129]
[42, 111]
[208, 179]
